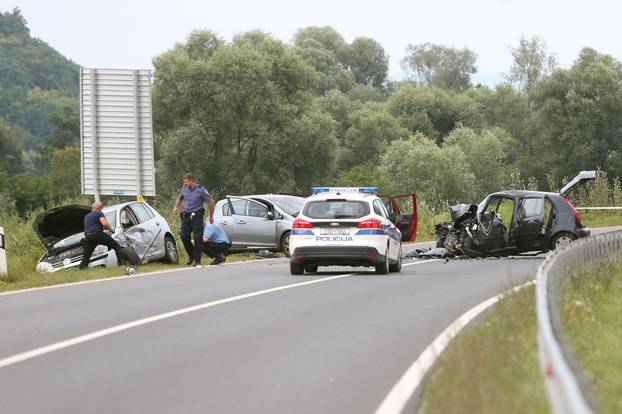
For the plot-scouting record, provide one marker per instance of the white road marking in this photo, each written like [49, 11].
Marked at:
[14, 359]
[402, 391]
[110, 279]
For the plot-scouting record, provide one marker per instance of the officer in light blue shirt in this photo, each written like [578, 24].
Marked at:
[215, 243]
[193, 197]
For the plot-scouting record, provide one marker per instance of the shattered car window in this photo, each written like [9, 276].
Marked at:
[336, 209]
[532, 207]
[506, 210]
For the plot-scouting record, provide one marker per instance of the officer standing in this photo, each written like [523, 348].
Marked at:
[94, 224]
[193, 197]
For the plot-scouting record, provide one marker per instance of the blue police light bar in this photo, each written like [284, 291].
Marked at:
[366, 190]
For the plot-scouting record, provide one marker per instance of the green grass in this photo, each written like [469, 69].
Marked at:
[592, 316]
[601, 219]
[492, 367]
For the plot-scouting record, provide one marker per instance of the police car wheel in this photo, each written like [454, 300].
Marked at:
[383, 268]
[171, 255]
[311, 268]
[296, 268]
[285, 244]
[397, 267]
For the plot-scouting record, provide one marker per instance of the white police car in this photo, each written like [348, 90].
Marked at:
[344, 227]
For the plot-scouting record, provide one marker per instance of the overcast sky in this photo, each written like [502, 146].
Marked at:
[127, 34]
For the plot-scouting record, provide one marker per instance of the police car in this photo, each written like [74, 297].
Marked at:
[344, 227]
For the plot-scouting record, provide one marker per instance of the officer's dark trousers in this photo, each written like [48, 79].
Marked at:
[192, 225]
[92, 240]
[213, 249]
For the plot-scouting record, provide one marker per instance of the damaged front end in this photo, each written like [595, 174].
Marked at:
[456, 236]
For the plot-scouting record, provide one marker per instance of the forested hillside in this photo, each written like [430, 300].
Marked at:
[258, 114]
[35, 81]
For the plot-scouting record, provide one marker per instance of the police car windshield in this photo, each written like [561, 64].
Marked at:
[289, 204]
[336, 209]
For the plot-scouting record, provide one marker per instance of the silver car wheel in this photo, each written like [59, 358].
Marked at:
[562, 241]
[285, 244]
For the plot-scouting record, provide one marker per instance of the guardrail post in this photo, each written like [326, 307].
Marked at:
[3, 267]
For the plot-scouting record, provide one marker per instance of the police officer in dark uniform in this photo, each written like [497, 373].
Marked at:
[94, 224]
[193, 197]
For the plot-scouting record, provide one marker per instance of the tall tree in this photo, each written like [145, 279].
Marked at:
[532, 62]
[578, 118]
[10, 152]
[440, 66]
[228, 116]
[367, 61]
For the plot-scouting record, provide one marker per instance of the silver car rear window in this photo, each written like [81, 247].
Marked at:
[336, 209]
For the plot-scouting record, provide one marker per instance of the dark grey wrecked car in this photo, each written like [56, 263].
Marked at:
[513, 222]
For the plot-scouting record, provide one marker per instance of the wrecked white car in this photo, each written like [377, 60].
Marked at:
[143, 233]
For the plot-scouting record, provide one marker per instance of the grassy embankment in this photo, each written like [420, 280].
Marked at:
[592, 315]
[602, 218]
[491, 367]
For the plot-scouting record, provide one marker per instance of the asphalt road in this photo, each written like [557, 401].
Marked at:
[337, 345]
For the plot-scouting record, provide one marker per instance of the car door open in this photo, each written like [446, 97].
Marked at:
[255, 224]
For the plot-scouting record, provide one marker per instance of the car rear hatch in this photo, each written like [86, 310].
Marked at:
[59, 223]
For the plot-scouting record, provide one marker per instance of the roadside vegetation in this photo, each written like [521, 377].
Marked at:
[24, 249]
[592, 316]
[491, 367]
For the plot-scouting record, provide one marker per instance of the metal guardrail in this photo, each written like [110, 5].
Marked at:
[567, 386]
[598, 208]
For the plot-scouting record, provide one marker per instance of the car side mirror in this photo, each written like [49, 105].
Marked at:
[270, 215]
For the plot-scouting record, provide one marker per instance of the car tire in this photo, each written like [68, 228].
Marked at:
[284, 244]
[383, 268]
[397, 267]
[562, 239]
[311, 268]
[129, 256]
[171, 255]
[296, 268]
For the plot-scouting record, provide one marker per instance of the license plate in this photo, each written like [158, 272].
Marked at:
[330, 231]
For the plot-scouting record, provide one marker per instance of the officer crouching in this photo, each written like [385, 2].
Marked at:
[193, 196]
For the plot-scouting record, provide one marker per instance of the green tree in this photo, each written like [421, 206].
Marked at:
[438, 175]
[367, 61]
[433, 112]
[65, 173]
[578, 118]
[340, 108]
[233, 118]
[372, 130]
[366, 175]
[440, 66]
[10, 152]
[30, 192]
[531, 62]
[484, 154]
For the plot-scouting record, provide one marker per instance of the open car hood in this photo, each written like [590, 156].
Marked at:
[60, 222]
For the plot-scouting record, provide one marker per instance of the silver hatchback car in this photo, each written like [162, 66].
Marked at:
[258, 221]
[137, 225]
